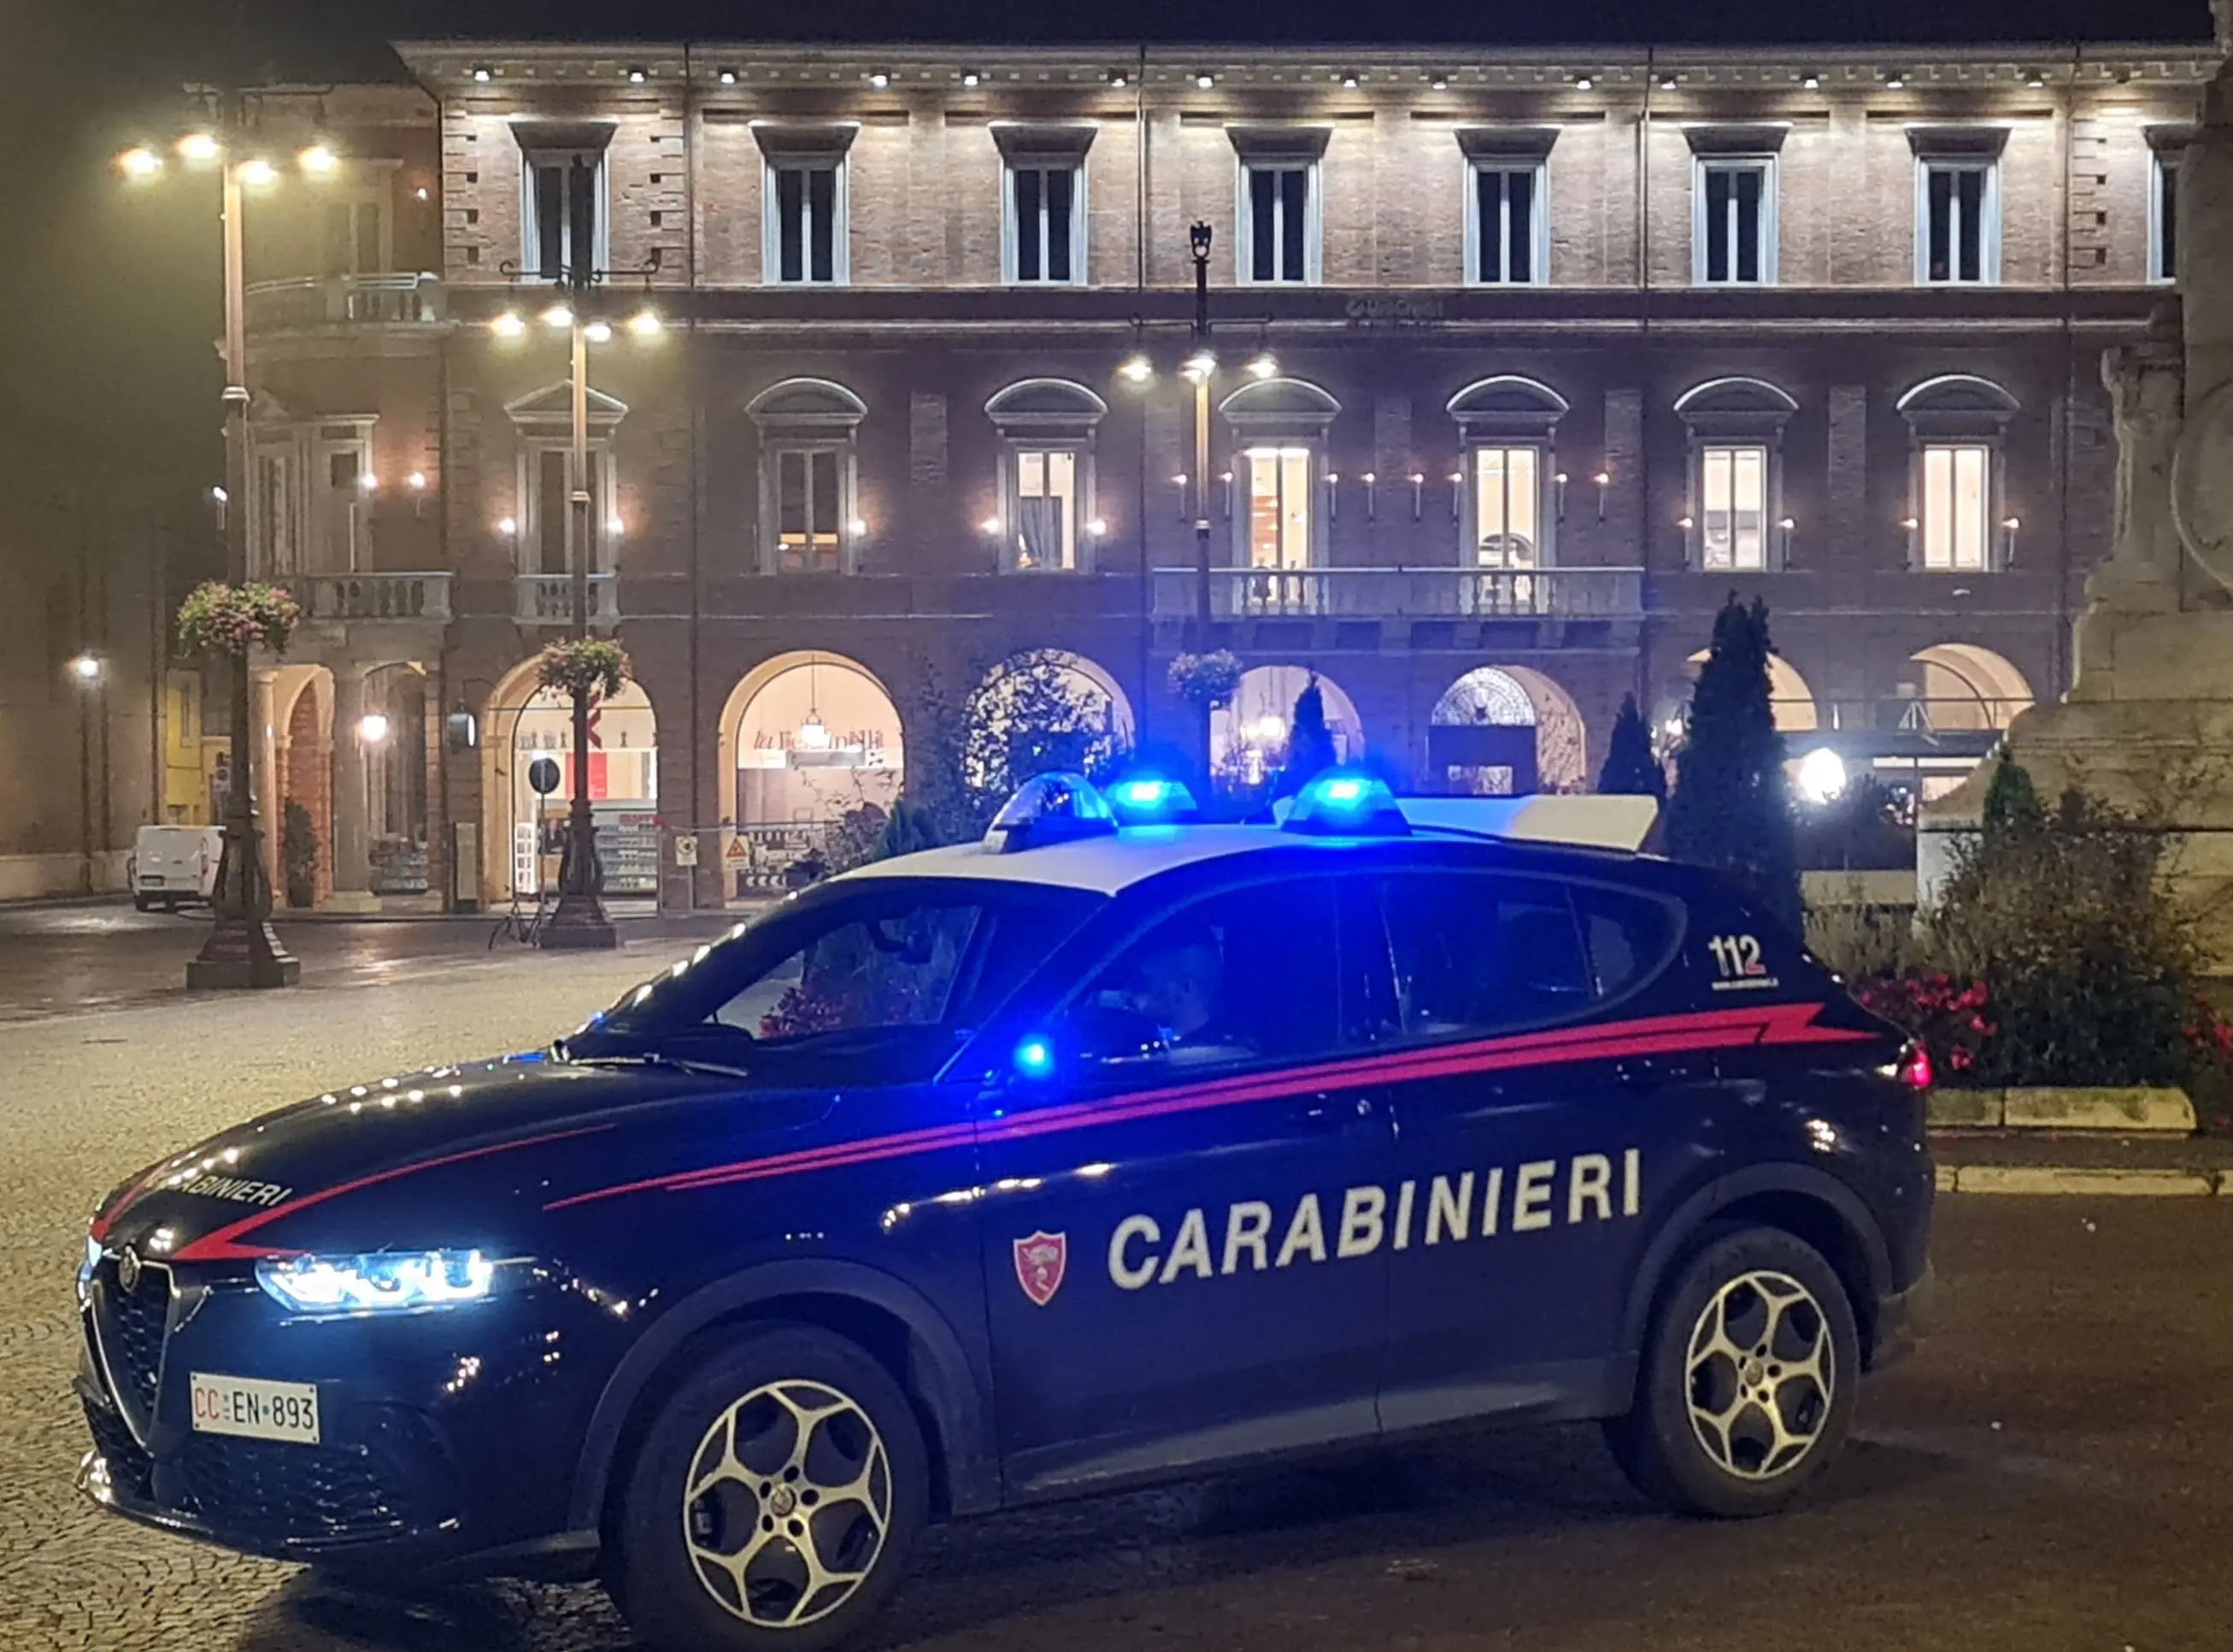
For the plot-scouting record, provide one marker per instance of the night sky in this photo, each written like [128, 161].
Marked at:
[108, 300]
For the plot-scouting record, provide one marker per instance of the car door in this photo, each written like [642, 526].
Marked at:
[1529, 1067]
[1182, 1235]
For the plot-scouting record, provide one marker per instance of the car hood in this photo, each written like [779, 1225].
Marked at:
[211, 1202]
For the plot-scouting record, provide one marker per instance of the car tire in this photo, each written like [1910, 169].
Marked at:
[1746, 1385]
[142, 903]
[782, 1451]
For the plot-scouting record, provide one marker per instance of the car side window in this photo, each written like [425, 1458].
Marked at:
[1630, 937]
[1244, 976]
[1476, 953]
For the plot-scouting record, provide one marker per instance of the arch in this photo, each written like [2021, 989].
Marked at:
[1507, 395]
[1030, 401]
[1959, 392]
[1468, 760]
[1788, 696]
[1965, 687]
[524, 721]
[1040, 709]
[1248, 738]
[1736, 395]
[554, 405]
[1276, 399]
[807, 401]
[807, 738]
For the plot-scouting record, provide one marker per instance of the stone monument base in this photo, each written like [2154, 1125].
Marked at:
[2148, 730]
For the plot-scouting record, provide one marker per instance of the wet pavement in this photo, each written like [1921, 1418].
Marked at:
[2053, 1473]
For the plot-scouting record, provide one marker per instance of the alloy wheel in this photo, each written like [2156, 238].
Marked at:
[788, 1504]
[1759, 1375]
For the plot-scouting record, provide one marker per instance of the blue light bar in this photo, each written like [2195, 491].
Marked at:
[1051, 808]
[1148, 799]
[1342, 803]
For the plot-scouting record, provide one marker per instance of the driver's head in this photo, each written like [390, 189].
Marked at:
[1177, 982]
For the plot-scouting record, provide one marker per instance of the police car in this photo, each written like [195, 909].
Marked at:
[1094, 1153]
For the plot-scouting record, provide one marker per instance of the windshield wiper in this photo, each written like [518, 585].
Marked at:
[677, 1063]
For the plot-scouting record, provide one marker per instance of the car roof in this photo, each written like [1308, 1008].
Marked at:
[1598, 833]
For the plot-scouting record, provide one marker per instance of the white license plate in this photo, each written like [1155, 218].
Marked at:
[256, 1409]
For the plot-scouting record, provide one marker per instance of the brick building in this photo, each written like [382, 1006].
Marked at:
[1526, 361]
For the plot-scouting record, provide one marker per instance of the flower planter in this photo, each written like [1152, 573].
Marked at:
[2127, 1109]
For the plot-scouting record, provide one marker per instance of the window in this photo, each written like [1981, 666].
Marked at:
[1047, 473]
[342, 501]
[1277, 231]
[1278, 506]
[1246, 976]
[548, 506]
[1507, 506]
[562, 219]
[1734, 225]
[851, 986]
[1046, 223]
[1474, 955]
[809, 517]
[807, 476]
[1956, 517]
[356, 241]
[804, 239]
[273, 512]
[1732, 505]
[1046, 508]
[1508, 239]
[1957, 228]
[2163, 219]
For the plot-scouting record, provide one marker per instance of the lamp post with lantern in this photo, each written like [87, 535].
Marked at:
[242, 950]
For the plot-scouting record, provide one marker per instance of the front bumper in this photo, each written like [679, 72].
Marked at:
[1905, 1318]
[443, 1435]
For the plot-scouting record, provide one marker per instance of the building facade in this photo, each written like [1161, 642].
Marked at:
[1524, 363]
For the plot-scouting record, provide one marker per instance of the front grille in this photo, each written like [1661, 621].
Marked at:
[131, 1325]
[326, 1494]
[129, 1468]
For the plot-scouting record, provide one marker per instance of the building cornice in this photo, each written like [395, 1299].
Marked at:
[1366, 74]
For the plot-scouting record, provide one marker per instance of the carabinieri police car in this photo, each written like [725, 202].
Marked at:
[1092, 1153]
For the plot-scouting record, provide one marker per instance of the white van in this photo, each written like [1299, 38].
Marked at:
[174, 865]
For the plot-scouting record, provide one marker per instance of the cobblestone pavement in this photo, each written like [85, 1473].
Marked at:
[2054, 1471]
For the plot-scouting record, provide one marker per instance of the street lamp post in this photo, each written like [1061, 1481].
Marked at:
[242, 950]
[1199, 367]
[88, 670]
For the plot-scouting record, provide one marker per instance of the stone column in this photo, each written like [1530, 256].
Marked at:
[352, 798]
[269, 798]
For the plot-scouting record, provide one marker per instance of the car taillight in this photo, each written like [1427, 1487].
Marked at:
[1914, 1068]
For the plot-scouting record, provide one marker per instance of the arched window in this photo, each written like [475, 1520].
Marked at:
[1957, 523]
[1736, 473]
[808, 520]
[1047, 522]
[1280, 427]
[1508, 426]
[545, 420]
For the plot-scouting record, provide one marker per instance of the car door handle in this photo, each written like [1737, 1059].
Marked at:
[1330, 1112]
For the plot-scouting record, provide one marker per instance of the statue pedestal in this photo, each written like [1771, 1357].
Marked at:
[2148, 729]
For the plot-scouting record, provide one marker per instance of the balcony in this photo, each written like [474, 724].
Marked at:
[1404, 594]
[402, 298]
[547, 599]
[344, 598]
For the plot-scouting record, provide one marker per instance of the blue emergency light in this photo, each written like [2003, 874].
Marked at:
[1051, 808]
[1150, 799]
[1343, 803]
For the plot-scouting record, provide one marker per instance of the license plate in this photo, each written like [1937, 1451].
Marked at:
[256, 1409]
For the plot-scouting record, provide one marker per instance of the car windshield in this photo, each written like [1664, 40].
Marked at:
[877, 980]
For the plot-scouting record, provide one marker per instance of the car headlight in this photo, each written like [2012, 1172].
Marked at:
[383, 1281]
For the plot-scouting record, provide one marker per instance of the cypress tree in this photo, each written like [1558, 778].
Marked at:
[1309, 741]
[2011, 800]
[1630, 769]
[1731, 808]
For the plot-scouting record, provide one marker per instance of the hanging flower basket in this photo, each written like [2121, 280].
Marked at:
[236, 620]
[1206, 681]
[583, 666]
